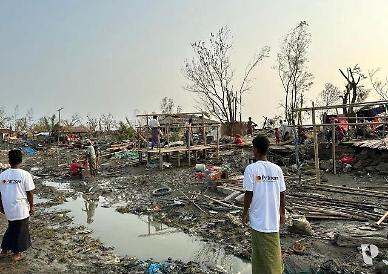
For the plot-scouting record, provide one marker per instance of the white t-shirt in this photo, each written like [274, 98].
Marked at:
[266, 180]
[91, 152]
[13, 186]
[154, 123]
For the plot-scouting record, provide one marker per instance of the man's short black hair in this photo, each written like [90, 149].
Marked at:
[15, 157]
[261, 143]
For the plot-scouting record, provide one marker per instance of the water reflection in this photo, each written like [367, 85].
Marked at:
[90, 207]
[145, 237]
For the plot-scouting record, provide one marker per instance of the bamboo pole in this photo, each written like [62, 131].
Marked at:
[316, 147]
[168, 134]
[218, 143]
[203, 130]
[189, 143]
[362, 104]
[333, 142]
[348, 124]
[173, 114]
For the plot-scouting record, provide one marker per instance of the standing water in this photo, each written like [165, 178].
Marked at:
[144, 238]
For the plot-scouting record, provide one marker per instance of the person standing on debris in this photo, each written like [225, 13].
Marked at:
[264, 208]
[91, 158]
[16, 202]
[189, 132]
[251, 126]
[98, 157]
[155, 131]
[277, 135]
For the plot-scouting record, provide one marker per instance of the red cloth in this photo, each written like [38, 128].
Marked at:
[238, 140]
[74, 168]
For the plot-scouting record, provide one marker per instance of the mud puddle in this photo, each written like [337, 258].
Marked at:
[144, 238]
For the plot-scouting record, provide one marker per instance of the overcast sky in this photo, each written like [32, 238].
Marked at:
[116, 56]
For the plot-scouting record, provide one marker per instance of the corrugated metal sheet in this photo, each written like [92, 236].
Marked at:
[381, 144]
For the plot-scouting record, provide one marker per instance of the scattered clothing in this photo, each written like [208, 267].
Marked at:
[238, 140]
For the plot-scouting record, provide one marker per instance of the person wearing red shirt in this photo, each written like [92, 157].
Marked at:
[75, 168]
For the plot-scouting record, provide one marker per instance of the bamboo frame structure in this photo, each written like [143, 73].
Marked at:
[189, 148]
[333, 125]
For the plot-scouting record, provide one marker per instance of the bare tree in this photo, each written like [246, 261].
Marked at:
[43, 125]
[167, 105]
[330, 95]
[381, 87]
[292, 68]
[75, 120]
[4, 118]
[107, 122]
[15, 116]
[92, 123]
[179, 109]
[355, 91]
[210, 76]
[29, 116]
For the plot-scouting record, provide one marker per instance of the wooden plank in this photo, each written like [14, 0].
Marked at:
[382, 218]
[333, 143]
[316, 148]
[362, 104]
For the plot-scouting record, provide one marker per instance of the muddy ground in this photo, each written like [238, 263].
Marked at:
[61, 246]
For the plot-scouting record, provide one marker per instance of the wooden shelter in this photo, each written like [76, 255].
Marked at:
[354, 122]
[171, 124]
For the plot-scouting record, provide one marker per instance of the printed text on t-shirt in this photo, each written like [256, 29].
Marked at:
[264, 178]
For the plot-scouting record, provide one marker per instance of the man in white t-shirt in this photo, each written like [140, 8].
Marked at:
[264, 208]
[16, 202]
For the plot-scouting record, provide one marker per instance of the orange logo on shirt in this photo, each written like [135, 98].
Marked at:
[258, 179]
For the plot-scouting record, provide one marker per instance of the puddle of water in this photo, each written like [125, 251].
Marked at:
[145, 238]
[39, 200]
[61, 186]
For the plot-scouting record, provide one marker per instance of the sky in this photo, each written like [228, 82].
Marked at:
[122, 56]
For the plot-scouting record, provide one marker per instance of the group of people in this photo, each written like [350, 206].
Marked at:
[264, 207]
[156, 132]
[90, 162]
[283, 133]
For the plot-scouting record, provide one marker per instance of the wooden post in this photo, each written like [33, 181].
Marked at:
[296, 135]
[203, 130]
[179, 159]
[355, 127]
[333, 143]
[160, 154]
[138, 141]
[218, 142]
[168, 134]
[189, 143]
[316, 147]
